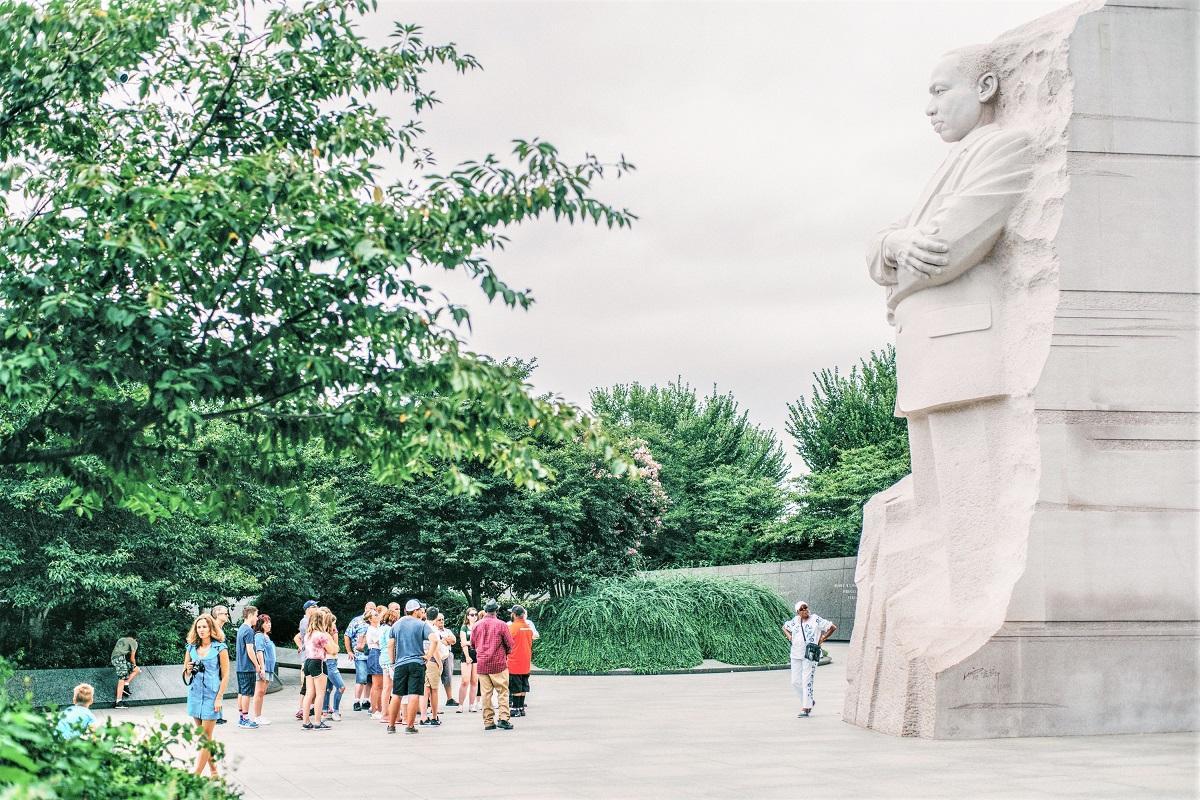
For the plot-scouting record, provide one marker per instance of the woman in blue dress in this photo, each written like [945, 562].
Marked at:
[206, 671]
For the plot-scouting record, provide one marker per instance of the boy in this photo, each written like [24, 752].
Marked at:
[520, 660]
[124, 662]
[78, 719]
[247, 667]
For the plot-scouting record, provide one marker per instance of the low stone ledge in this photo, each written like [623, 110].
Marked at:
[156, 685]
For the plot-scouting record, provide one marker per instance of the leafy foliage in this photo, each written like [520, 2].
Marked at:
[193, 228]
[112, 763]
[651, 625]
[849, 437]
[723, 474]
[847, 411]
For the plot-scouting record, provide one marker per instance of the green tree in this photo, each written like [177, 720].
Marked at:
[828, 515]
[855, 447]
[193, 228]
[723, 474]
[845, 412]
[421, 538]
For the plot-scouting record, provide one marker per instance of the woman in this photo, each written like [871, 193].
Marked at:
[319, 644]
[266, 656]
[206, 671]
[467, 671]
[385, 657]
[374, 670]
[807, 632]
[335, 687]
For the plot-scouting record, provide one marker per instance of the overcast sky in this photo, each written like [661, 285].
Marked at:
[771, 140]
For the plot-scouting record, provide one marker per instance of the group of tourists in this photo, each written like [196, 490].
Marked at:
[403, 659]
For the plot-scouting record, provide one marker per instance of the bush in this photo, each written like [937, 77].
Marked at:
[113, 763]
[656, 624]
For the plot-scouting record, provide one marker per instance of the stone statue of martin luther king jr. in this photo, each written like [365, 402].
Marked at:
[944, 296]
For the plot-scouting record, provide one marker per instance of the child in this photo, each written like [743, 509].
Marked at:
[78, 719]
[124, 662]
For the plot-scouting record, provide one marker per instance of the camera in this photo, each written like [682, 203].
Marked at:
[196, 666]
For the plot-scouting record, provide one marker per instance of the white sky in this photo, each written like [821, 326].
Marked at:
[771, 140]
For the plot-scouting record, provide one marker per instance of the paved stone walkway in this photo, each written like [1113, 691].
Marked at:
[684, 736]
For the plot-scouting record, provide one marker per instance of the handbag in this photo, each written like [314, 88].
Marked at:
[812, 652]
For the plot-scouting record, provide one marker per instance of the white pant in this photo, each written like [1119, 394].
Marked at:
[803, 671]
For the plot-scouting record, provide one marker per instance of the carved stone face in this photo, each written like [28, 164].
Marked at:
[958, 104]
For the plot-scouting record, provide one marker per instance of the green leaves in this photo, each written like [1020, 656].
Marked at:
[217, 244]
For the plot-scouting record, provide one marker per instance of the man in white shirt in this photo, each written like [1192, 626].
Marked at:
[802, 630]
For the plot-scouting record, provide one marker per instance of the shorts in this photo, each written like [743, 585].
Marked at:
[246, 683]
[360, 670]
[518, 684]
[122, 667]
[314, 667]
[433, 675]
[373, 666]
[408, 679]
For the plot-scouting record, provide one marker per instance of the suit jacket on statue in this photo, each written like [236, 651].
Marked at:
[948, 331]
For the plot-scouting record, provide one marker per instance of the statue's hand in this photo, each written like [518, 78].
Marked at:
[917, 249]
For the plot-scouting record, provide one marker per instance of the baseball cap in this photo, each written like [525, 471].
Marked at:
[309, 604]
[413, 605]
[518, 609]
[491, 607]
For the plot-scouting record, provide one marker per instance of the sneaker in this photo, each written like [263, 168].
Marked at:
[489, 727]
[220, 720]
[451, 703]
[504, 725]
[247, 723]
[411, 730]
[262, 721]
[127, 693]
[366, 706]
[337, 716]
[357, 706]
[308, 726]
[458, 710]
[391, 728]
[423, 722]
[804, 714]
[377, 715]
[322, 727]
[435, 721]
[120, 705]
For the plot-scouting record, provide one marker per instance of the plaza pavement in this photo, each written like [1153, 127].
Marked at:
[731, 735]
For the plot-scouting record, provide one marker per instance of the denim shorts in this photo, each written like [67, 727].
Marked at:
[373, 666]
[360, 670]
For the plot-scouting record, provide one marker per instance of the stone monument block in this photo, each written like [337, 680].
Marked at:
[1038, 572]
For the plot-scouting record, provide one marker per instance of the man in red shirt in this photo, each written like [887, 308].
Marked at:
[520, 659]
[493, 642]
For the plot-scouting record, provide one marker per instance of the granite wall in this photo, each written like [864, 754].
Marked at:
[826, 583]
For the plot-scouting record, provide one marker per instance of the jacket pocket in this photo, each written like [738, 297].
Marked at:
[958, 319]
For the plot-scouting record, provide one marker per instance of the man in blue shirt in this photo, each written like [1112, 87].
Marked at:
[362, 680]
[247, 666]
[414, 641]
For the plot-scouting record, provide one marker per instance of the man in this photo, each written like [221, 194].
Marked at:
[362, 680]
[435, 668]
[447, 649]
[247, 667]
[492, 642]
[310, 608]
[410, 646]
[520, 660]
[955, 320]
[221, 616]
[802, 630]
[124, 662]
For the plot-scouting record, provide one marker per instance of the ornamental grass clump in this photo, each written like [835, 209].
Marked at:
[657, 624]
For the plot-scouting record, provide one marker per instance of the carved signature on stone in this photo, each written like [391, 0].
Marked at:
[981, 673]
